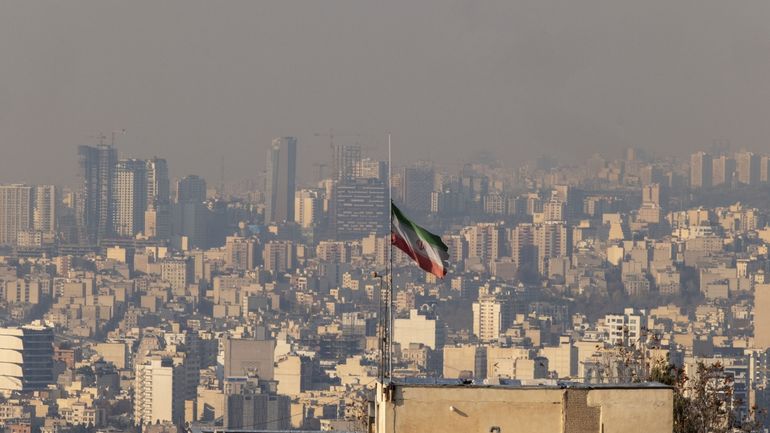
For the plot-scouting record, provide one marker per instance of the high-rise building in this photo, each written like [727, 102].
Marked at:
[538, 243]
[249, 404]
[485, 241]
[189, 228]
[368, 168]
[97, 169]
[157, 221]
[651, 194]
[551, 240]
[189, 215]
[723, 168]
[241, 253]
[347, 162]
[157, 182]
[418, 184]
[45, 208]
[747, 168]
[360, 207]
[764, 168]
[554, 209]
[154, 386]
[491, 315]
[163, 382]
[26, 358]
[523, 250]
[281, 175]
[178, 272]
[307, 207]
[333, 251]
[278, 256]
[15, 212]
[762, 316]
[701, 170]
[130, 196]
[191, 189]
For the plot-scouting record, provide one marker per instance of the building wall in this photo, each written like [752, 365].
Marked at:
[26, 358]
[762, 316]
[116, 353]
[281, 172]
[15, 212]
[429, 409]
[243, 357]
[464, 359]
[416, 329]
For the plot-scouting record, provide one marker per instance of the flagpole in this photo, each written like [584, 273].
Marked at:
[390, 266]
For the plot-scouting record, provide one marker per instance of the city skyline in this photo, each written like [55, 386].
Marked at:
[515, 79]
[204, 227]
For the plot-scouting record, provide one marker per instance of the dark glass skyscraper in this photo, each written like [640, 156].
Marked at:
[280, 182]
[360, 208]
[191, 189]
[26, 361]
[96, 174]
[418, 184]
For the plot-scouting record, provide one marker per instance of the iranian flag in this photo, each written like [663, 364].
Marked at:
[425, 248]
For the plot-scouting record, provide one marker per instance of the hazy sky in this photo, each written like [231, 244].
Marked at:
[194, 80]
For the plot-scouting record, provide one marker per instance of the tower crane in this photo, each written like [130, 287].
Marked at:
[331, 134]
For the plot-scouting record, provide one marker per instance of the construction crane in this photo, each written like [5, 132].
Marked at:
[331, 136]
[102, 137]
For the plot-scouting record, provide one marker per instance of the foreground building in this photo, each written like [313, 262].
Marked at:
[510, 407]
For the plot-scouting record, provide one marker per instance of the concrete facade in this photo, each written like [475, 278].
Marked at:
[646, 408]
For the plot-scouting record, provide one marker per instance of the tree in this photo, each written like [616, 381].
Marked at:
[704, 403]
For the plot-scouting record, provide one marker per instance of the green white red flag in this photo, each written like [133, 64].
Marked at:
[425, 248]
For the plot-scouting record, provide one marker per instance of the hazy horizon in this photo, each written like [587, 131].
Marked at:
[193, 81]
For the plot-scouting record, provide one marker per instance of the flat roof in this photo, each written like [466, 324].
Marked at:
[522, 384]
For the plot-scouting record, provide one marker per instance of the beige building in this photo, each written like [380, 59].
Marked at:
[154, 393]
[210, 404]
[116, 353]
[278, 256]
[465, 361]
[245, 357]
[563, 359]
[178, 272]
[241, 253]
[723, 168]
[515, 363]
[420, 327]
[646, 408]
[307, 207]
[491, 316]
[485, 241]
[15, 211]
[762, 316]
[23, 291]
[701, 170]
[294, 374]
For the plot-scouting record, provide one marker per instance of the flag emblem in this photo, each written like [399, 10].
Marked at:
[425, 248]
